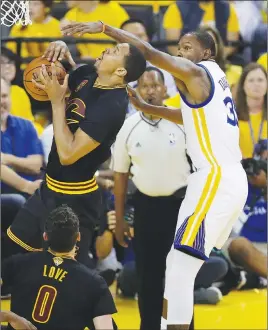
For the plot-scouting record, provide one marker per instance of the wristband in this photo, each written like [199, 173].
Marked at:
[103, 27]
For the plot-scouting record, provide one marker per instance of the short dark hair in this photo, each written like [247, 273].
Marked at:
[132, 21]
[205, 39]
[155, 69]
[135, 64]
[62, 228]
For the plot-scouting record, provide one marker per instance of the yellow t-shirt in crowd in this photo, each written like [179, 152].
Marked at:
[263, 60]
[21, 106]
[49, 29]
[233, 73]
[110, 13]
[246, 143]
[173, 19]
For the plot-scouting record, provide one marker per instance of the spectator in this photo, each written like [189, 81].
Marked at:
[20, 102]
[137, 27]
[43, 26]
[185, 16]
[21, 149]
[233, 72]
[247, 249]
[252, 27]
[213, 270]
[89, 11]
[153, 151]
[251, 104]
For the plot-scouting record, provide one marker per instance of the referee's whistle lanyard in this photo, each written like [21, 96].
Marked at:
[252, 132]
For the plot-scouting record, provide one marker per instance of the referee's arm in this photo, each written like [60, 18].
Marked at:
[121, 165]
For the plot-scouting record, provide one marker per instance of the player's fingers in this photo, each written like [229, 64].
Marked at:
[56, 54]
[65, 83]
[43, 87]
[62, 54]
[42, 78]
[31, 326]
[70, 59]
[131, 91]
[54, 73]
[45, 73]
[50, 51]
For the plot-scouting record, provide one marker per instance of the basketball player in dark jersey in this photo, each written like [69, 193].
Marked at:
[54, 291]
[84, 131]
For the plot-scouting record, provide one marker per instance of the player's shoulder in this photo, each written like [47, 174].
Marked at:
[85, 74]
[85, 274]
[25, 258]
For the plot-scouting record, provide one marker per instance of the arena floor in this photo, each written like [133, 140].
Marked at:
[239, 310]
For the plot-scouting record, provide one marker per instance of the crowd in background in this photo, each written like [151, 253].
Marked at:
[27, 132]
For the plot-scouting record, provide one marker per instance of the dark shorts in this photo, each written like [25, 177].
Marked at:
[28, 226]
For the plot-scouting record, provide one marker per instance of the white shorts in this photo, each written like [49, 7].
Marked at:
[210, 208]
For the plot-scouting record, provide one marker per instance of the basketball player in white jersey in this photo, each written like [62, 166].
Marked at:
[217, 191]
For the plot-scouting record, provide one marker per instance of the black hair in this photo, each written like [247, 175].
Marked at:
[135, 64]
[160, 73]
[205, 39]
[62, 227]
[132, 21]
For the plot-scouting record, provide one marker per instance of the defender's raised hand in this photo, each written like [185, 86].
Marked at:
[135, 99]
[82, 28]
[58, 50]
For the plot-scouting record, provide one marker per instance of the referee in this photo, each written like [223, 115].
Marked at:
[152, 151]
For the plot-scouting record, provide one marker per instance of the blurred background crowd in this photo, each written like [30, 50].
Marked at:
[239, 29]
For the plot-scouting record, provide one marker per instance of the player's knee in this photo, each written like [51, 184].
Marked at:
[240, 249]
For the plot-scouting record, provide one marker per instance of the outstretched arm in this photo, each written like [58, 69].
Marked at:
[170, 114]
[181, 68]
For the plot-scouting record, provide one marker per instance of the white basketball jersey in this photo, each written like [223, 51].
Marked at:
[211, 128]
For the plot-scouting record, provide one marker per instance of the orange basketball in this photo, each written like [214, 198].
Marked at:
[32, 72]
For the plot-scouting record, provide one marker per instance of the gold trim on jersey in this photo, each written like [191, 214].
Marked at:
[212, 183]
[98, 85]
[15, 239]
[72, 188]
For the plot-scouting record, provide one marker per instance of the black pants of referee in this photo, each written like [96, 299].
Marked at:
[155, 221]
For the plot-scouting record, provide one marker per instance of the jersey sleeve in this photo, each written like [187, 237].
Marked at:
[104, 304]
[103, 117]
[79, 74]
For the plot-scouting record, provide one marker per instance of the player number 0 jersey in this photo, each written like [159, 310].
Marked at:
[212, 132]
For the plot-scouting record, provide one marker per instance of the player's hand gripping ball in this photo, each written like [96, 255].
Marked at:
[32, 72]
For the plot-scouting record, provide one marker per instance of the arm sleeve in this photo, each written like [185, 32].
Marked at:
[102, 118]
[34, 145]
[104, 304]
[120, 157]
[172, 18]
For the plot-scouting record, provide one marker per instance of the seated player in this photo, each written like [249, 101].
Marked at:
[84, 131]
[52, 289]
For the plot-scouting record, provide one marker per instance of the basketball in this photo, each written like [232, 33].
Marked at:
[32, 71]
